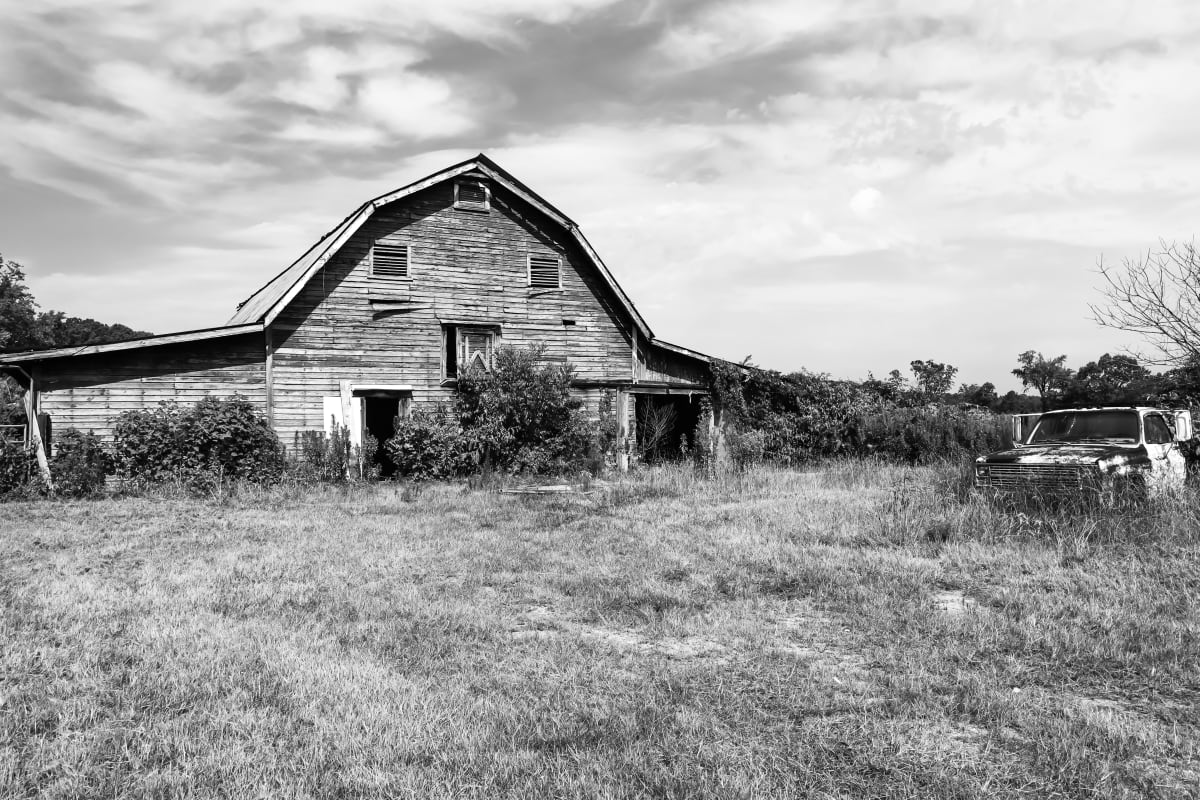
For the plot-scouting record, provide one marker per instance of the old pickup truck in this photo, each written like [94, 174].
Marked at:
[1102, 450]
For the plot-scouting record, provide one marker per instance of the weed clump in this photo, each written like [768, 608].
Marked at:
[18, 470]
[80, 465]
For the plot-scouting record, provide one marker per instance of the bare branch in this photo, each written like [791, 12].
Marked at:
[1156, 297]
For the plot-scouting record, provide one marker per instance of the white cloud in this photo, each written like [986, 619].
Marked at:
[865, 201]
[891, 139]
[414, 106]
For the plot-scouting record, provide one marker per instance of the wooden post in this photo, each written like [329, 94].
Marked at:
[622, 412]
[269, 377]
[35, 433]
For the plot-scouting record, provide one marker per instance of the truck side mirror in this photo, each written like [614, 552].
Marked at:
[1183, 425]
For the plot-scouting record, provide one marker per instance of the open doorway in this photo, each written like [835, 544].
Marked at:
[379, 412]
[666, 426]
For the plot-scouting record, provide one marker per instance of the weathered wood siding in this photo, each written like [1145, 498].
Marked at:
[465, 267]
[88, 392]
[660, 364]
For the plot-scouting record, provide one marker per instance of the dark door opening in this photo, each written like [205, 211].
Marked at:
[666, 426]
[379, 420]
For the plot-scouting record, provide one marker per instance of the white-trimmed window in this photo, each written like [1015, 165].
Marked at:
[545, 272]
[472, 195]
[389, 260]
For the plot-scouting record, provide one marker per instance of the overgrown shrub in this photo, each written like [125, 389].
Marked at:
[745, 447]
[222, 437]
[431, 445]
[799, 417]
[18, 470]
[517, 417]
[789, 419]
[323, 457]
[80, 464]
[931, 433]
[12, 402]
[521, 415]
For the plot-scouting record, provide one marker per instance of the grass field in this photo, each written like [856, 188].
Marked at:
[851, 632]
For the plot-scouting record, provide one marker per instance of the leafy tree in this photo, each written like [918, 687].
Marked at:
[933, 379]
[893, 389]
[56, 329]
[1046, 376]
[979, 394]
[882, 389]
[1110, 380]
[12, 403]
[23, 327]
[18, 311]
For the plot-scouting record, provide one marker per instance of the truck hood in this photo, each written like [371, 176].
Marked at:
[1059, 453]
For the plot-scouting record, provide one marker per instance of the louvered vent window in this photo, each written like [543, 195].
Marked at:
[471, 195]
[544, 272]
[389, 261]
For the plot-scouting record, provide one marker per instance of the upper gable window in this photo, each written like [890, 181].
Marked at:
[472, 195]
[545, 272]
[466, 347]
[389, 260]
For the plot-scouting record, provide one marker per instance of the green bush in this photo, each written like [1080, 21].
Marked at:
[431, 445]
[80, 464]
[797, 417]
[932, 433]
[18, 470]
[222, 437]
[521, 415]
[518, 417]
[790, 419]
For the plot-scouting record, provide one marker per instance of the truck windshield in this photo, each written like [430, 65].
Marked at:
[1081, 426]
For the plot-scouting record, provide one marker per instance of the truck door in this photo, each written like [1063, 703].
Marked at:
[1168, 468]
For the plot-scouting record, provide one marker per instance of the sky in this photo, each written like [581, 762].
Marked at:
[837, 186]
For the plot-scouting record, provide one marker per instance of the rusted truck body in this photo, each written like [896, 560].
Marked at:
[1100, 451]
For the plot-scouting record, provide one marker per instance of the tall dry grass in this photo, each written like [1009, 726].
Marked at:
[858, 630]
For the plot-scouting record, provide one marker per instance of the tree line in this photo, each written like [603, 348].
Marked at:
[1110, 380]
[24, 327]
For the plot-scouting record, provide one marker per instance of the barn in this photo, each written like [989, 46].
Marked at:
[377, 317]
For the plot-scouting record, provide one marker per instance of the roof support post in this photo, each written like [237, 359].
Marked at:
[269, 374]
[623, 429]
[32, 428]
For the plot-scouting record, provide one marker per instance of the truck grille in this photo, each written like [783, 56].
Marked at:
[1040, 477]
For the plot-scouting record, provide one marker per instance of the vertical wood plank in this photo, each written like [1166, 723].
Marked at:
[269, 377]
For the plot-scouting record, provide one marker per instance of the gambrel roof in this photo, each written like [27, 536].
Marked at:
[259, 310]
[266, 304]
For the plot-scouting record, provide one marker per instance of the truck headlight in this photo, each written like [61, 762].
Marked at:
[982, 471]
